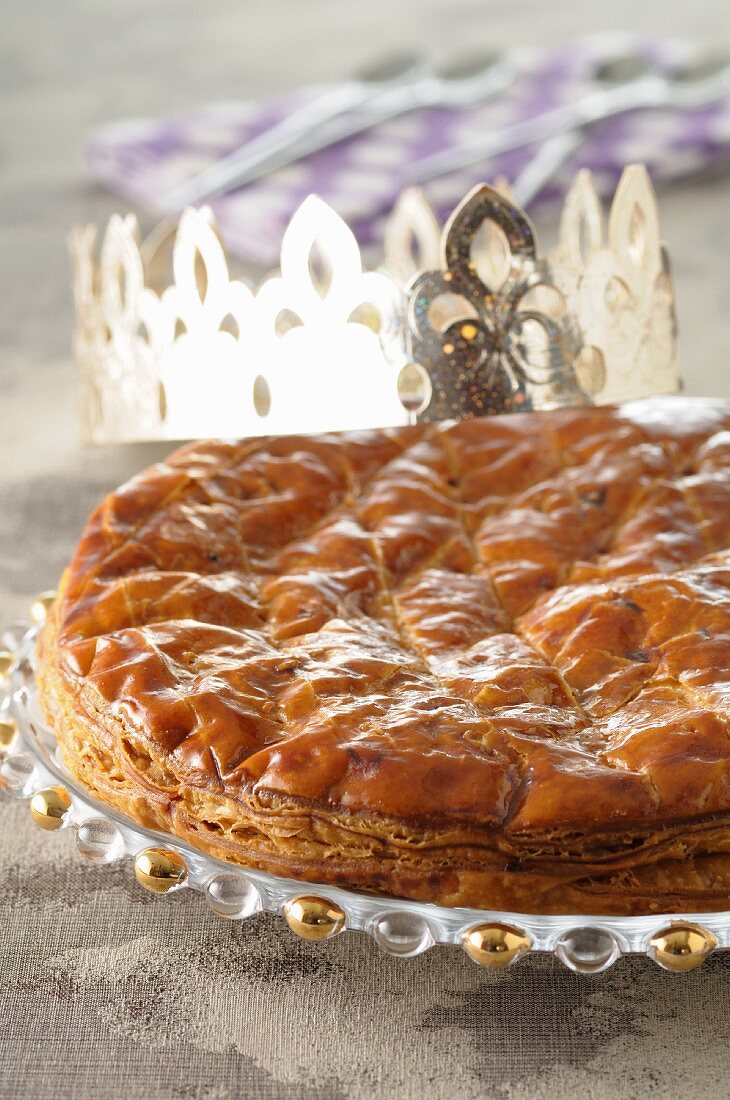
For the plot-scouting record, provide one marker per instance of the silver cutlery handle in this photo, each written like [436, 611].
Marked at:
[551, 155]
[338, 130]
[533, 130]
[647, 92]
[396, 81]
[284, 134]
[245, 167]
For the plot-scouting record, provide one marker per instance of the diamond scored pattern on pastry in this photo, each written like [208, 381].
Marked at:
[477, 663]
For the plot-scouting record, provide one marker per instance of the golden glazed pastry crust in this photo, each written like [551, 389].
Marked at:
[481, 664]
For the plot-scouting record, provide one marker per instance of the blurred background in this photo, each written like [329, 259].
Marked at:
[67, 69]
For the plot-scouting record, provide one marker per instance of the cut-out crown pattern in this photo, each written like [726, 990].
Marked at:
[323, 345]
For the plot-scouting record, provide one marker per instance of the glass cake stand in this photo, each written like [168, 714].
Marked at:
[30, 769]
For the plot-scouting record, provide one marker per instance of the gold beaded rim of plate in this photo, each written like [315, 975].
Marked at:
[49, 806]
[495, 945]
[160, 870]
[42, 604]
[8, 734]
[681, 946]
[314, 918]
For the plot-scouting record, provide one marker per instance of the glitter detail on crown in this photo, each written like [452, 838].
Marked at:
[591, 321]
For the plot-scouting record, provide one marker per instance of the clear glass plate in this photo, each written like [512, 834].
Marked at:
[31, 769]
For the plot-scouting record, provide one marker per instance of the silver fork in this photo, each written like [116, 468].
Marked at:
[654, 90]
[341, 114]
[614, 72]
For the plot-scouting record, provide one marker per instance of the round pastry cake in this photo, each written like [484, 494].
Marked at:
[479, 664]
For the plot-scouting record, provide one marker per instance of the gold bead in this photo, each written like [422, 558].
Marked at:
[41, 605]
[47, 807]
[681, 946]
[8, 733]
[160, 869]
[6, 662]
[314, 918]
[495, 945]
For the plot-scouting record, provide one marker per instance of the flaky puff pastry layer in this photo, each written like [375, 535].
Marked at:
[482, 664]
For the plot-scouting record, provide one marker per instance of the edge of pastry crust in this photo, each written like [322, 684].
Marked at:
[683, 869]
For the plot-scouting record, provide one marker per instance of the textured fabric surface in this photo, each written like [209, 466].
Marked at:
[106, 990]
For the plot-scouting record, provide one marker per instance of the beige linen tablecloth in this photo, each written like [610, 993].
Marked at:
[106, 991]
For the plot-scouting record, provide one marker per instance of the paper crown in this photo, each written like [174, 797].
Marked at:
[489, 326]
